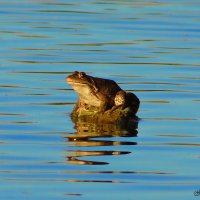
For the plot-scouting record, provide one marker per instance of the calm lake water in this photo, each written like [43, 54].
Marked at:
[151, 48]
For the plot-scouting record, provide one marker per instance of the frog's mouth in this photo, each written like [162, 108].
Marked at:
[81, 88]
[77, 86]
[76, 83]
[71, 81]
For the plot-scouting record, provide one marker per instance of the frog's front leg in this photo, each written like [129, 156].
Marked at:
[76, 107]
[80, 106]
[104, 103]
[103, 107]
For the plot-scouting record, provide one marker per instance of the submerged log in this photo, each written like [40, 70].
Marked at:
[116, 116]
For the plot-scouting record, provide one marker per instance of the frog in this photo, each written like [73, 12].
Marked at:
[94, 94]
[125, 100]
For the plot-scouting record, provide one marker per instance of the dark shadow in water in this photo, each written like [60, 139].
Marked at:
[95, 135]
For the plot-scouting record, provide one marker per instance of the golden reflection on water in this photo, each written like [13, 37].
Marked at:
[90, 134]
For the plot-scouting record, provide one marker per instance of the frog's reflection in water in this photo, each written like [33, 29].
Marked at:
[93, 135]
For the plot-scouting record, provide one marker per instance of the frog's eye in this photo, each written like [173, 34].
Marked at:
[82, 74]
[75, 72]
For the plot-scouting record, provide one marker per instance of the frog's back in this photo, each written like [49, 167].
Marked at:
[107, 86]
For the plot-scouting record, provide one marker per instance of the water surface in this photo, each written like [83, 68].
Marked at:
[151, 48]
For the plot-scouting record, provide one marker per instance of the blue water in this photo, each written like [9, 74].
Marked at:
[151, 48]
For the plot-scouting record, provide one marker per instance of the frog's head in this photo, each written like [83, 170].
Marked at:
[81, 82]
